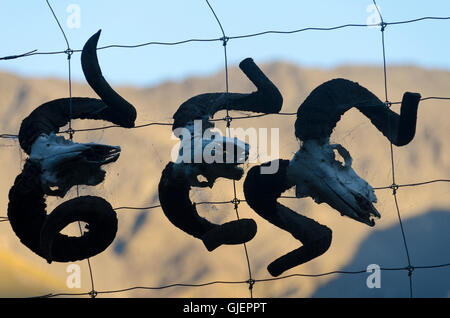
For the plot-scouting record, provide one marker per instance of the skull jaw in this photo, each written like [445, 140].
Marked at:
[222, 170]
[211, 172]
[230, 153]
[212, 157]
[318, 175]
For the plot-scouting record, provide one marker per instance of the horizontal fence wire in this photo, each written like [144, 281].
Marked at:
[220, 39]
[242, 282]
[224, 39]
[169, 124]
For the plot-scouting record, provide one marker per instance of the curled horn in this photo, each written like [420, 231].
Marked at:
[317, 174]
[119, 111]
[261, 193]
[174, 191]
[41, 232]
[50, 116]
[319, 113]
[27, 208]
[267, 99]
[178, 178]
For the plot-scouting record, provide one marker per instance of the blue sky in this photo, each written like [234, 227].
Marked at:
[28, 25]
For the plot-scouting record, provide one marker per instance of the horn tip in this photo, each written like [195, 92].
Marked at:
[246, 62]
[412, 95]
[411, 99]
[95, 37]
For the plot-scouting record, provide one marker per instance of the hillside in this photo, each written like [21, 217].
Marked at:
[149, 251]
[427, 237]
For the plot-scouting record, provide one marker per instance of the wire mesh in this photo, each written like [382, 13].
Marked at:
[224, 39]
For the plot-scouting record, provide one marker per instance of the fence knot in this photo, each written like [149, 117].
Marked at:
[394, 188]
[69, 53]
[250, 283]
[388, 104]
[225, 40]
[236, 202]
[383, 26]
[71, 132]
[410, 270]
[93, 293]
[228, 119]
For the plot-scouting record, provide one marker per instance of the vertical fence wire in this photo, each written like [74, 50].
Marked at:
[394, 185]
[69, 53]
[228, 119]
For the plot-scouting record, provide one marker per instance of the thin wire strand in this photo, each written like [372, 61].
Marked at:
[3, 219]
[137, 208]
[9, 136]
[228, 120]
[257, 34]
[394, 185]
[69, 53]
[12, 57]
[14, 136]
[262, 280]
[349, 25]
[59, 24]
[158, 206]
[217, 19]
[413, 184]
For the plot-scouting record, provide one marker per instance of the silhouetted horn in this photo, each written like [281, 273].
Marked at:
[261, 193]
[319, 113]
[173, 191]
[119, 111]
[70, 164]
[40, 232]
[267, 99]
[96, 212]
[50, 116]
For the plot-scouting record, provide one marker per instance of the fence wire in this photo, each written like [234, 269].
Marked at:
[224, 39]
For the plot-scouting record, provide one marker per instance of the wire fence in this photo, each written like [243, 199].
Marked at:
[224, 39]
